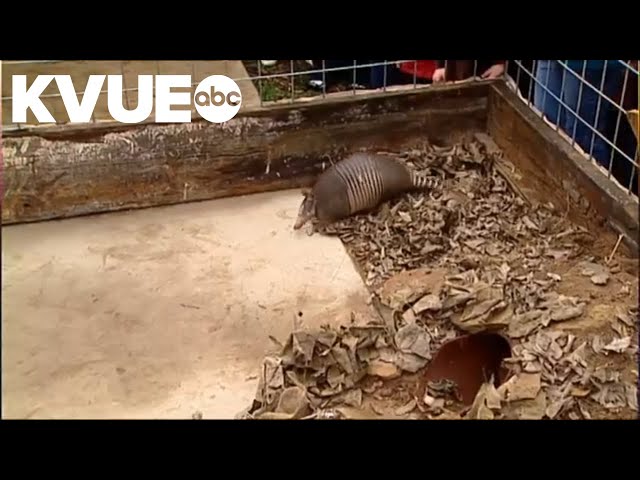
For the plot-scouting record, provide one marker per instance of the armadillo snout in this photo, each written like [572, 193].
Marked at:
[300, 221]
[305, 212]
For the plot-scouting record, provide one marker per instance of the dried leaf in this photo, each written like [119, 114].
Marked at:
[335, 377]
[596, 344]
[554, 408]
[558, 254]
[379, 368]
[378, 410]
[327, 338]
[493, 399]
[406, 409]
[580, 392]
[563, 313]
[524, 324]
[611, 396]
[490, 313]
[474, 244]
[409, 316]
[555, 351]
[529, 223]
[520, 387]
[532, 367]
[327, 392]
[626, 319]
[350, 341]
[410, 362]
[618, 345]
[352, 413]
[600, 279]
[442, 387]
[381, 342]
[405, 216]
[352, 398]
[577, 356]
[504, 271]
[631, 393]
[293, 401]
[480, 410]
[415, 340]
[569, 344]
[583, 410]
[429, 302]
[605, 375]
[273, 416]
[433, 402]
[387, 354]
[303, 344]
[589, 269]
[458, 299]
[447, 415]
[406, 287]
[554, 276]
[342, 358]
[270, 381]
[367, 355]
[430, 248]
[527, 409]
[619, 328]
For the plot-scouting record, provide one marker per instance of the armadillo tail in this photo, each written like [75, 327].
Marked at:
[421, 181]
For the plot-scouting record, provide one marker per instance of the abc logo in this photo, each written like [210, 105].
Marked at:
[217, 98]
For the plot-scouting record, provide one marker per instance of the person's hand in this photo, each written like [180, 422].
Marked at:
[494, 71]
[438, 75]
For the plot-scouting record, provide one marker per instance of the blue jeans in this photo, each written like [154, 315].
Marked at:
[548, 85]
[593, 111]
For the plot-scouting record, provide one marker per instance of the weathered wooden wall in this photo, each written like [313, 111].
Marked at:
[80, 170]
[551, 170]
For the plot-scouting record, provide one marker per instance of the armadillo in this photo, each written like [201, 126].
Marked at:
[359, 183]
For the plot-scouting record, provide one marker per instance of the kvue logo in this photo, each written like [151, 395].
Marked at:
[217, 98]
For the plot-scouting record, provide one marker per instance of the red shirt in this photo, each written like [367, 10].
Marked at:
[422, 68]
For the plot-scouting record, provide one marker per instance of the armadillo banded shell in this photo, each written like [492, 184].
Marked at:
[364, 182]
[361, 182]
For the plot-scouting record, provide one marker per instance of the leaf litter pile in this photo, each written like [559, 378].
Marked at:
[471, 255]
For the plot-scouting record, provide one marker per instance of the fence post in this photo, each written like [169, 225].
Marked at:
[632, 116]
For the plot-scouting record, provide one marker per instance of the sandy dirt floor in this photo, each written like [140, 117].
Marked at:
[160, 313]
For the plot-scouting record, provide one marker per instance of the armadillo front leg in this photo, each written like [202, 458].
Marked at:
[311, 229]
[317, 226]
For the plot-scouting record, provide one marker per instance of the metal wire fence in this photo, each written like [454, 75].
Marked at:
[590, 104]
[586, 102]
